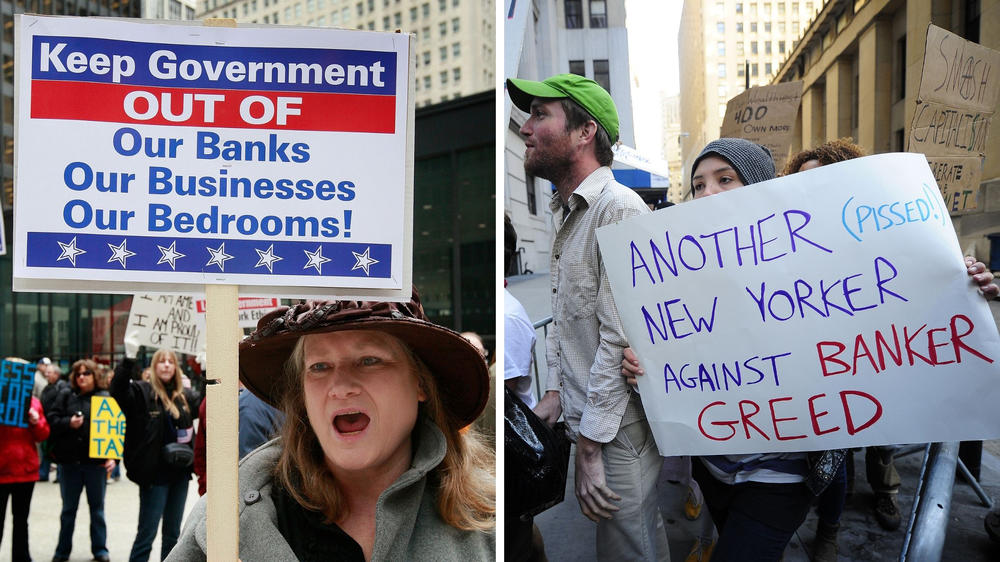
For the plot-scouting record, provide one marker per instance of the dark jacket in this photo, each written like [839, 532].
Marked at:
[50, 393]
[68, 445]
[147, 428]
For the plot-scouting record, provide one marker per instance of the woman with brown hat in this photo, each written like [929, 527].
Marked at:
[373, 462]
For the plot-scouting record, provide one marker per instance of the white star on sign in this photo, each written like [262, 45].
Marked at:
[364, 260]
[219, 256]
[120, 253]
[267, 259]
[316, 260]
[169, 255]
[70, 251]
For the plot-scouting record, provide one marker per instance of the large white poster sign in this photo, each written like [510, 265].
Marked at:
[167, 321]
[825, 309]
[175, 156]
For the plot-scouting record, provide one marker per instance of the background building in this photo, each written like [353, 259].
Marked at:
[454, 43]
[169, 9]
[672, 136]
[585, 37]
[860, 62]
[725, 44]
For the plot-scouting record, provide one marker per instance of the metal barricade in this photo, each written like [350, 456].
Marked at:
[543, 324]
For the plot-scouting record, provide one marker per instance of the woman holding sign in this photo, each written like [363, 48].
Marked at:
[18, 474]
[758, 501]
[70, 447]
[159, 421]
[376, 460]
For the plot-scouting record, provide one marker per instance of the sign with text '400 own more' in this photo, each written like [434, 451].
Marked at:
[821, 310]
[156, 156]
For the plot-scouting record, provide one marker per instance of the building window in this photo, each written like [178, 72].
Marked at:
[795, 8]
[809, 8]
[598, 14]
[739, 48]
[444, 77]
[371, 5]
[767, 47]
[529, 185]
[601, 75]
[397, 18]
[574, 14]
[753, 27]
[767, 27]
[427, 58]
[720, 48]
[413, 14]
[781, 8]
[901, 68]
[577, 67]
[767, 9]
[753, 9]
[753, 47]
[442, 5]
[385, 22]
[443, 53]
[359, 6]
[795, 27]
[455, 24]
[753, 69]
[767, 69]
[740, 70]
[425, 10]
[781, 27]
[443, 28]
[425, 34]
[456, 49]
[722, 70]
[739, 7]
[739, 27]
[456, 74]
[781, 47]
[427, 82]
[720, 27]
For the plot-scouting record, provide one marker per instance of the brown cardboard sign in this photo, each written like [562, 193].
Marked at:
[765, 115]
[957, 97]
[958, 178]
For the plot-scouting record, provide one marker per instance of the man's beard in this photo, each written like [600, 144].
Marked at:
[547, 165]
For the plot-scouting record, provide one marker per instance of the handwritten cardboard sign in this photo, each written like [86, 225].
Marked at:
[107, 428]
[173, 156]
[825, 309]
[765, 115]
[16, 381]
[167, 321]
[956, 100]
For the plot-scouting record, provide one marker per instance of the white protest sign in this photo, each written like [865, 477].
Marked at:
[177, 155]
[167, 321]
[825, 309]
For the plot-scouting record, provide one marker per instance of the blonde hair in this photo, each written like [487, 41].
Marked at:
[466, 496]
[166, 394]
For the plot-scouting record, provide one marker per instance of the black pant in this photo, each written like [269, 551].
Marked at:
[21, 492]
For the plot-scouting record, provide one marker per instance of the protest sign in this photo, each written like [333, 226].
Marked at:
[16, 381]
[765, 115]
[107, 428]
[826, 309]
[175, 155]
[251, 309]
[167, 321]
[956, 100]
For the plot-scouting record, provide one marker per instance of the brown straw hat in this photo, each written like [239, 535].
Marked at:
[461, 373]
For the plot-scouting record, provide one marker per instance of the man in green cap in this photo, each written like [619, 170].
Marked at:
[571, 127]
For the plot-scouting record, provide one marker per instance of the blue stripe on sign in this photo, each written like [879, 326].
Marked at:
[88, 59]
[208, 255]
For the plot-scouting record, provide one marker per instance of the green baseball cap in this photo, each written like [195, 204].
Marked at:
[594, 99]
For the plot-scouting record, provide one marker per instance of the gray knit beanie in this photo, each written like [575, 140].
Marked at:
[753, 162]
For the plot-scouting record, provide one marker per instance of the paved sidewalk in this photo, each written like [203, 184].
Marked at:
[121, 511]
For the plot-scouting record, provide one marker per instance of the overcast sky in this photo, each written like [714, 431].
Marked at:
[652, 38]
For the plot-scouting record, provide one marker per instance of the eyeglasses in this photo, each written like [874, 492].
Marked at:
[87, 373]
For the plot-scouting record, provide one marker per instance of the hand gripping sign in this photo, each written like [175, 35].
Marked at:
[826, 309]
[183, 155]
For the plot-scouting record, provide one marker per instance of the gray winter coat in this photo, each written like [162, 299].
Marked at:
[407, 524]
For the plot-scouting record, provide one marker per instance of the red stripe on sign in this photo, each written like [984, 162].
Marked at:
[89, 101]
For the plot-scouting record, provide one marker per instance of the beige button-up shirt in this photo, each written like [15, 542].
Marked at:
[584, 345]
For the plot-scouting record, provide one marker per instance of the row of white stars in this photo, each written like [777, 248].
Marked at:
[121, 253]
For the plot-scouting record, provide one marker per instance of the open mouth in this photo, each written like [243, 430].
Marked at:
[351, 423]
